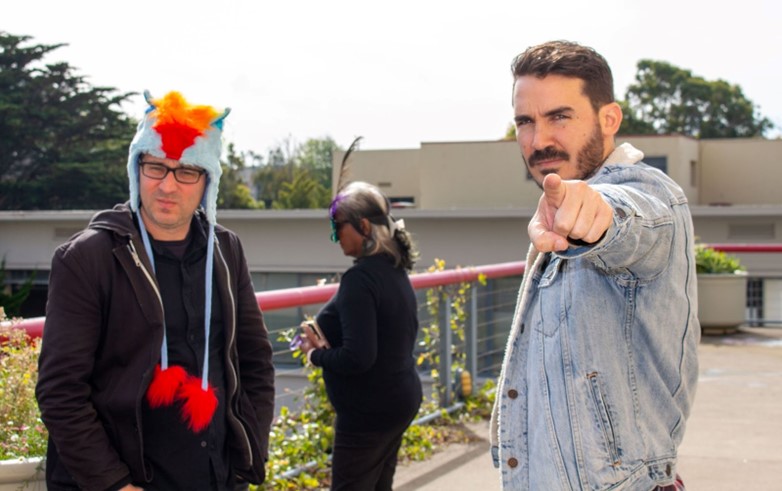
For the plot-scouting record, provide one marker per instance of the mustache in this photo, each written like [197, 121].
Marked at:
[548, 153]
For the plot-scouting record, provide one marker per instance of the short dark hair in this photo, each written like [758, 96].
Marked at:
[568, 59]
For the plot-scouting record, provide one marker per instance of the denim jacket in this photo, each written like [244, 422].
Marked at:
[601, 364]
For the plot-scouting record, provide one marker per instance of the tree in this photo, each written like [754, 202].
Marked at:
[666, 99]
[297, 176]
[234, 192]
[316, 155]
[268, 181]
[63, 142]
[302, 192]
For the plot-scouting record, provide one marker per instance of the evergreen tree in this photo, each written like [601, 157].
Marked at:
[63, 142]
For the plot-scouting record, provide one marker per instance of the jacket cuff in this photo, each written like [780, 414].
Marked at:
[121, 484]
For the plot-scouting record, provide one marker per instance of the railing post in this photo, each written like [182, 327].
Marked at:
[471, 336]
[444, 309]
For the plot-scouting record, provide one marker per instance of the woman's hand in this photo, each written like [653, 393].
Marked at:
[312, 336]
[305, 345]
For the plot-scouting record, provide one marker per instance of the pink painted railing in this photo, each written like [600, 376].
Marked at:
[308, 295]
[746, 248]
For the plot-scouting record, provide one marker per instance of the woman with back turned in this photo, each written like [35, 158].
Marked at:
[370, 328]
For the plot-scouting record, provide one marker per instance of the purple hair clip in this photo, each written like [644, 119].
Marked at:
[334, 203]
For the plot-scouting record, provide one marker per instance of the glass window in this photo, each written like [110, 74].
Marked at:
[657, 162]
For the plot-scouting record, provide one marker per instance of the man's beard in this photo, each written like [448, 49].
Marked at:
[590, 157]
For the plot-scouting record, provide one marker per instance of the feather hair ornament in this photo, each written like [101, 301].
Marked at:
[344, 171]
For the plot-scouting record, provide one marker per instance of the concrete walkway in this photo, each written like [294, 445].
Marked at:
[733, 440]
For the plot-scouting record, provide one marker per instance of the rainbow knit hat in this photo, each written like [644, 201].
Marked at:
[174, 129]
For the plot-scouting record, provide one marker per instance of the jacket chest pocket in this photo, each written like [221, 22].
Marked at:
[547, 311]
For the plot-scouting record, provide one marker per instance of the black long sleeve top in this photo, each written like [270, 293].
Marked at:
[372, 325]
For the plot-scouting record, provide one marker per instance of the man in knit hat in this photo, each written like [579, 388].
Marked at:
[156, 369]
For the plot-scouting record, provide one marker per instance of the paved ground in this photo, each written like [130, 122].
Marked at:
[734, 439]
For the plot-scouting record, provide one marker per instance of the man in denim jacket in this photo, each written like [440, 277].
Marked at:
[601, 365]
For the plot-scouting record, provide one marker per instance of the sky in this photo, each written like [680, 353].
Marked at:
[397, 73]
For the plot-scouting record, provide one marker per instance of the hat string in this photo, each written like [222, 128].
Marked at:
[207, 300]
[151, 256]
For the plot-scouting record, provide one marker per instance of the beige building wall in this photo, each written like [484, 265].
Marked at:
[395, 172]
[491, 174]
[682, 154]
[295, 241]
[475, 175]
[741, 171]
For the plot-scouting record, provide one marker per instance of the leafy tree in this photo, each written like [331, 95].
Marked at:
[666, 99]
[268, 181]
[302, 192]
[297, 176]
[316, 156]
[632, 124]
[63, 142]
[234, 192]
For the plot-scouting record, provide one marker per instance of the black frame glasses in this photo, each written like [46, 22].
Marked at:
[183, 175]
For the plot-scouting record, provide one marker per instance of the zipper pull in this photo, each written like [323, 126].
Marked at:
[134, 254]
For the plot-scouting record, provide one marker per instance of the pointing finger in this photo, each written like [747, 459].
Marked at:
[554, 189]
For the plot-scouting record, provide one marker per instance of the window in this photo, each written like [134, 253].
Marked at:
[660, 163]
[751, 231]
[402, 201]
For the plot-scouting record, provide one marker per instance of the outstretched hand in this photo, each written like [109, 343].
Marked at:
[568, 210]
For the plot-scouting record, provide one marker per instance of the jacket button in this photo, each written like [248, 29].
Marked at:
[668, 470]
[513, 394]
[513, 463]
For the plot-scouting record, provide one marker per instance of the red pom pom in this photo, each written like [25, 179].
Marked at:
[164, 385]
[198, 405]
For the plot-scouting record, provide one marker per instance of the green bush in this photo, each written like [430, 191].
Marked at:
[22, 434]
[710, 261]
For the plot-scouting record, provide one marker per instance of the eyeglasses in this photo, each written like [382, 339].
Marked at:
[335, 226]
[184, 175]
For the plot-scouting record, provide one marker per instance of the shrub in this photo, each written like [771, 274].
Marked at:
[22, 433]
[710, 261]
